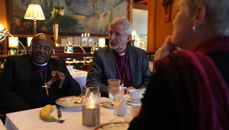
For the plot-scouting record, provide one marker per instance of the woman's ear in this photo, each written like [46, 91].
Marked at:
[199, 15]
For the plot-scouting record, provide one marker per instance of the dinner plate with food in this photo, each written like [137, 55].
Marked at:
[70, 102]
[105, 102]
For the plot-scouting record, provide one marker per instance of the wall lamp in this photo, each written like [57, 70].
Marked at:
[4, 31]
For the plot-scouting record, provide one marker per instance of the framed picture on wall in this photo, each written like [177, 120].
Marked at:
[80, 16]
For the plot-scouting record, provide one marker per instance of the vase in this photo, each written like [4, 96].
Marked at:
[55, 33]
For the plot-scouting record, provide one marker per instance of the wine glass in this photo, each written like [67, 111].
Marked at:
[116, 95]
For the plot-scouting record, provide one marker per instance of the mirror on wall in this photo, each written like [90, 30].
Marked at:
[140, 26]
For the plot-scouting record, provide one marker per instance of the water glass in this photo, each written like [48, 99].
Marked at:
[116, 95]
[114, 82]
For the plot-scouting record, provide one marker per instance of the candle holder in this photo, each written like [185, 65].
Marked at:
[91, 107]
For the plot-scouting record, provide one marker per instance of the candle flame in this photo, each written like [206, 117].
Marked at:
[91, 101]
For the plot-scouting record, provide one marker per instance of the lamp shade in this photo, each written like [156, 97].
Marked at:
[34, 12]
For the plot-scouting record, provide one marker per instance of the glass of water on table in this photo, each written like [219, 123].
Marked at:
[116, 95]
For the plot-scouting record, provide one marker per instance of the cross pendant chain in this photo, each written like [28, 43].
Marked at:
[45, 85]
[46, 89]
[122, 77]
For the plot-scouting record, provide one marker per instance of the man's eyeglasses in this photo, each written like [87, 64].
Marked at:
[37, 46]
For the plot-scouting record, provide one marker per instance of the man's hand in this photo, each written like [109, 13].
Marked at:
[56, 76]
[130, 87]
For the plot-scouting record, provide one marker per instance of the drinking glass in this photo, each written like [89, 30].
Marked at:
[92, 92]
[116, 94]
[114, 82]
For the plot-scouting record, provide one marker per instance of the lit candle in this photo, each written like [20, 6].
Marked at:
[91, 113]
[91, 108]
[91, 101]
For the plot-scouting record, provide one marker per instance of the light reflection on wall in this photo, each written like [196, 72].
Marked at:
[13, 42]
[29, 39]
[102, 42]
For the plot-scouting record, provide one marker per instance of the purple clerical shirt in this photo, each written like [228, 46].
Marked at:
[41, 68]
[121, 62]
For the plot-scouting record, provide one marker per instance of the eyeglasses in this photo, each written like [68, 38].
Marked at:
[37, 46]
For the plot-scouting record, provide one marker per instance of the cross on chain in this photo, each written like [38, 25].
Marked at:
[46, 89]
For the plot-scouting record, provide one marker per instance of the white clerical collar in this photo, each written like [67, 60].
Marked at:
[122, 53]
[39, 64]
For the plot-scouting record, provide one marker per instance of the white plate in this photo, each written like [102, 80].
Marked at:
[128, 99]
[107, 104]
[133, 101]
[70, 102]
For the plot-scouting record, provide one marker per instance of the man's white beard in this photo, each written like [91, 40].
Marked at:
[113, 47]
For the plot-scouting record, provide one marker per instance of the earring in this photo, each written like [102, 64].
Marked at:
[194, 28]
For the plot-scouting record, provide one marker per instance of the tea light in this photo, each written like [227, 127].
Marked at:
[91, 113]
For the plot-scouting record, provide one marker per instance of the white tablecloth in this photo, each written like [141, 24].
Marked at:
[80, 76]
[29, 119]
[2, 127]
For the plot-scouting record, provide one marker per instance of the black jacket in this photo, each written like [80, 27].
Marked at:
[20, 84]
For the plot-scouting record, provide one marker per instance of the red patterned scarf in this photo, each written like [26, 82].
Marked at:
[201, 94]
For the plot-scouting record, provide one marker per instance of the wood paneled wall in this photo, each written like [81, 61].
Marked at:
[158, 27]
[3, 15]
[3, 21]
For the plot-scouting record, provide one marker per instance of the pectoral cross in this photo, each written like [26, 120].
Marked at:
[46, 89]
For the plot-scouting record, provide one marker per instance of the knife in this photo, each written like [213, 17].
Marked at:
[59, 114]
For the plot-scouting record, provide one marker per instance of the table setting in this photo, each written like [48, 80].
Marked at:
[86, 112]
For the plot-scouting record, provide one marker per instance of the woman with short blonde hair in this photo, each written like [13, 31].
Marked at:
[189, 87]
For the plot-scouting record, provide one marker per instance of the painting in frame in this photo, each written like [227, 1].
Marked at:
[80, 16]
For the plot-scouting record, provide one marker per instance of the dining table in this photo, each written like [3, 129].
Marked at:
[2, 127]
[30, 120]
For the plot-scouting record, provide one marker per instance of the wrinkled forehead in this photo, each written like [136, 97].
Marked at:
[117, 27]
